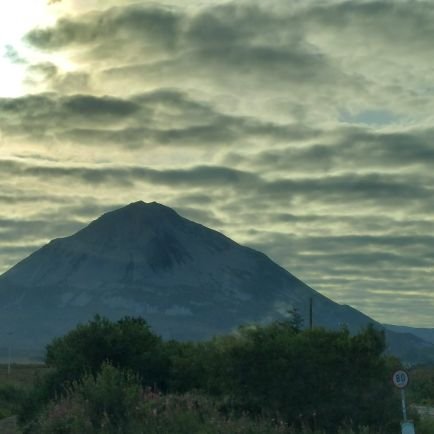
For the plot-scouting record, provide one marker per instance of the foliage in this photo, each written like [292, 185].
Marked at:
[127, 343]
[316, 379]
[16, 385]
[114, 402]
[102, 403]
[11, 398]
[425, 426]
[422, 385]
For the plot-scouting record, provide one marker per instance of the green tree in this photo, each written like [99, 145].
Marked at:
[315, 377]
[128, 343]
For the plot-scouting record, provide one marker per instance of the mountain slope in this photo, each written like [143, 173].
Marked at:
[187, 281]
[427, 334]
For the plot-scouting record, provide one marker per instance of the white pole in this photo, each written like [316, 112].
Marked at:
[404, 409]
[9, 359]
[9, 352]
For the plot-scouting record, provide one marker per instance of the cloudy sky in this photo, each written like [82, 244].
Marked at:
[303, 128]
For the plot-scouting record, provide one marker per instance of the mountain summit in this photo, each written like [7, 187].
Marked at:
[187, 281]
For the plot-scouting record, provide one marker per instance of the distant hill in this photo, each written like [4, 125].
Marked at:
[427, 334]
[187, 281]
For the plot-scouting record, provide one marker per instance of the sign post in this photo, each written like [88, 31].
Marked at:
[400, 380]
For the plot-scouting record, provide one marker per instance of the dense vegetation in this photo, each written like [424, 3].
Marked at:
[119, 377]
[422, 385]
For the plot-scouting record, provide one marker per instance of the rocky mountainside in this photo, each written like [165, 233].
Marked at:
[187, 281]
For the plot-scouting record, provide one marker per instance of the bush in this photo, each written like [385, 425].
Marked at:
[11, 398]
[127, 344]
[102, 403]
[114, 402]
[315, 378]
[425, 426]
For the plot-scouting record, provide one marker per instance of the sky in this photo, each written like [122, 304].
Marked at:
[301, 128]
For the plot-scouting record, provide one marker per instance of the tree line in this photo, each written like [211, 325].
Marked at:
[274, 374]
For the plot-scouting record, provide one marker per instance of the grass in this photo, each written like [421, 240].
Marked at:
[21, 376]
[13, 386]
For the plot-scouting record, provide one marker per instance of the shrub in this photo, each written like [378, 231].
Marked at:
[314, 378]
[11, 398]
[102, 403]
[127, 344]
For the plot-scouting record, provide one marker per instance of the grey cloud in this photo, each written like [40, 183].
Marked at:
[199, 176]
[364, 256]
[49, 76]
[215, 45]
[272, 49]
[375, 190]
[115, 28]
[166, 117]
[42, 118]
[27, 230]
[355, 149]
[392, 21]
[356, 223]
[202, 216]
[252, 39]
[43, 107]
[356, 192]
[13, 55]
[199, 199]
[87, 105]
[45, 70]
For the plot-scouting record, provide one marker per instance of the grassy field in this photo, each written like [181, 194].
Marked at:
[20, 375]
[13, 383]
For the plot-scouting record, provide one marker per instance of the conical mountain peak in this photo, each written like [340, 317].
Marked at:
[132, 224]
[142, 210]
[147, 207]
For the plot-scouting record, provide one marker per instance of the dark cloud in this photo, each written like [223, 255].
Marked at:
[382, 20]
[87, 105]
[205, 176]
[373, 191]
[119, 29]
[357, 149]
[165, 117]
[42, 107]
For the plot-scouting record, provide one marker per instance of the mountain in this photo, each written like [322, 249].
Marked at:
[427, 334]
[187, 281]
